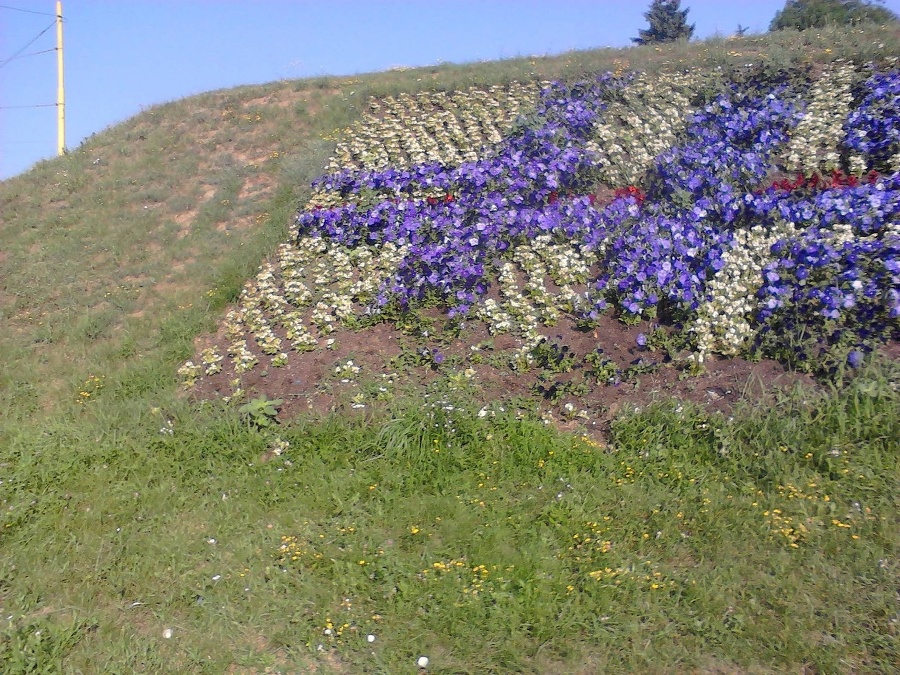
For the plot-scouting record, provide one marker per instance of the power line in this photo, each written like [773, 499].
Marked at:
[19, 107]
[43, 51]
[31, 42]
[27, 11]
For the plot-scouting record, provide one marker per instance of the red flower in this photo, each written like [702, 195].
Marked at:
[631, 191]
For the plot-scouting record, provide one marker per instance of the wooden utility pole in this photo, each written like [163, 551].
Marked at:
[61, 87]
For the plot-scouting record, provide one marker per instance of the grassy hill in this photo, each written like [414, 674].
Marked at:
[146, 531]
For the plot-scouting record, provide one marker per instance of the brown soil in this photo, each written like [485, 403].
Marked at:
[308, 383]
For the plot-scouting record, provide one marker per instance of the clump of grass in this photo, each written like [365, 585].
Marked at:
[438, 531]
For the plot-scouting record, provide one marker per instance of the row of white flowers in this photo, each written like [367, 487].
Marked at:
[312, 287]
[815, 142]
[446, 127]
[644, 122]
[433, 127]
[722, 324]
[525, 302]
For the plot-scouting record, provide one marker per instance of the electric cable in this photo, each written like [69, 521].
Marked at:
[20, 107]
[31, 42]
[43, 51]
[26, 11]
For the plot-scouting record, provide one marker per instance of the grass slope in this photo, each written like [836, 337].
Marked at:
[690, 543]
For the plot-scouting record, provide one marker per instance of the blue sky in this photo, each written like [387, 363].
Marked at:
[125, 55]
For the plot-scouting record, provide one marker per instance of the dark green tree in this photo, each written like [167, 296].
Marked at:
[804, 14]
[668, 22]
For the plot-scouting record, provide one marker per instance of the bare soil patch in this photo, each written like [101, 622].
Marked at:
[390, 359]
[256, 187]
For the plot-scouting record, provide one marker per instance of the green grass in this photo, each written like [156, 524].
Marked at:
[766, 542]
[763, 542]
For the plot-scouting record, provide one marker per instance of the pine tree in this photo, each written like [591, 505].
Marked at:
[804, 14]
[668, 22]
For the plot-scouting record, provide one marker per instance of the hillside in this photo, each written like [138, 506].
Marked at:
[167, 197]
[329, 375]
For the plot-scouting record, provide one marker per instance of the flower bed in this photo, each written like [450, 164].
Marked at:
[709, 232]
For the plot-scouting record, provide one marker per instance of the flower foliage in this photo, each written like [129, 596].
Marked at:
[872, 128]
[835, 281]
[821, 292]
[661, 250]
[765, 223]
